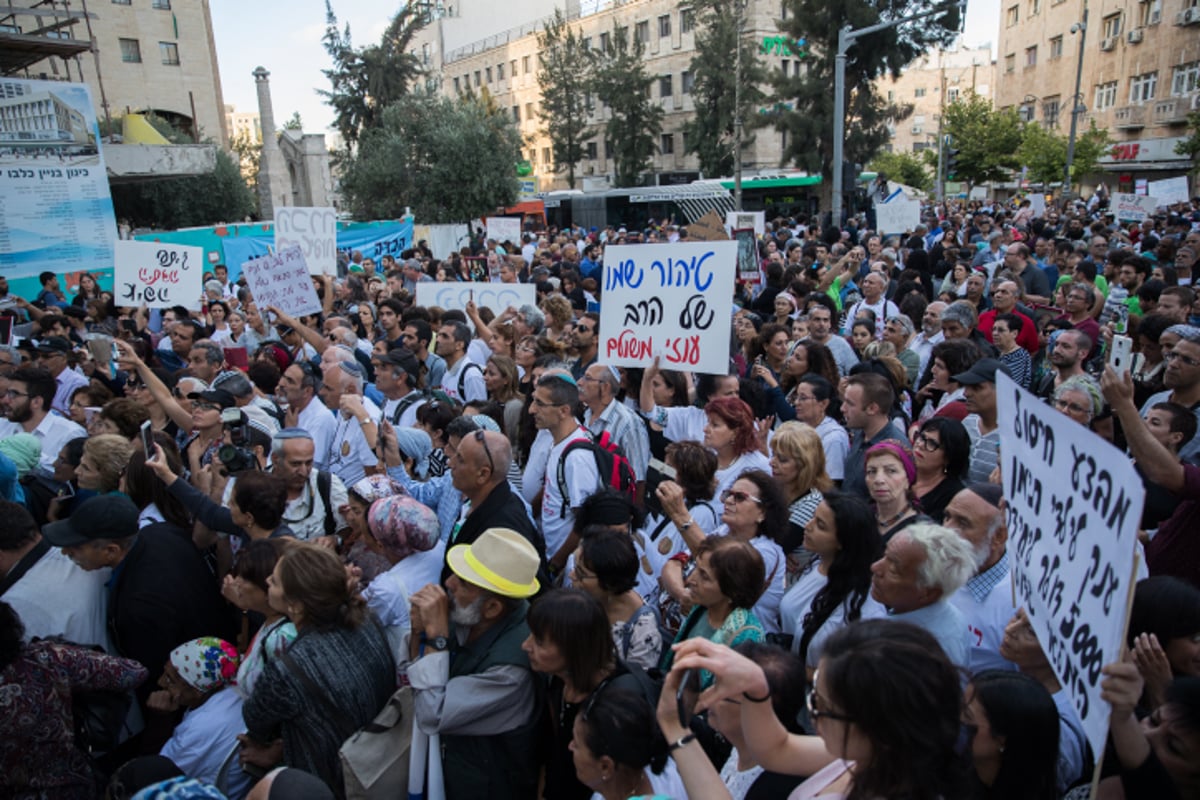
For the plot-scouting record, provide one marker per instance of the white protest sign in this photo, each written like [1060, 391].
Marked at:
[669, 300]
[314, 230]
[158, 274]
[282, 280]
[1074, 507]
[1169, 190]
[898, 216]
[504, 229]
[736, 220]
[496, 296]
[1132, 207]
[1037, 204]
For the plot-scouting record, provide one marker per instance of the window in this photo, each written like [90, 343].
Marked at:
[1027, 112]
[604, 42]
[1112, 26]
[122, 2]
[169, 52]
[1035, 7]
[1149, 13]
[891, 96]
[546, 158]
[529, 112]
[783, 65]
[488, 72]
[1031, 57]
[920, 92]
[131, 51]
[1056, 47]
[1013, 15]
[664, 86]
[590, 150]
[1050, 111]
[457, 87]
[499, 72]
[513, 68]
[608, 148]
[1106, 96]
[641, 31]
[525, 63]
[516, 112]
[686, 81]
[687, 20]
[664, 26]
[1185, 78]
[586, 43]
[667, 144]
[163, 4]
[1141, 87]
[1010, 62]
[952, 94]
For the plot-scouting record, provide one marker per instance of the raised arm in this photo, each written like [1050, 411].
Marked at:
[1159, 464]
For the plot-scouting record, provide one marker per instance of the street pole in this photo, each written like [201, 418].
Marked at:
[738, 10]
[1076, 103]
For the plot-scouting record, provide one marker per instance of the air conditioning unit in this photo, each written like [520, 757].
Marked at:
[917, 129]
[1108, 43]
[1155, 17]
[1189, 16]
[1135, 36]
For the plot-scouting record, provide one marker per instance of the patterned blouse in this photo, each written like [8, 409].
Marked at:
[38, 757]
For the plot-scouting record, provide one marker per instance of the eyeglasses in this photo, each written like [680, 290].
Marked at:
[1171, 355]
[204, 405]
[134, 386]
[738, 497]
[15, 393]
[479, 437]
[927, 444]
[812, 701]
[1066, 405]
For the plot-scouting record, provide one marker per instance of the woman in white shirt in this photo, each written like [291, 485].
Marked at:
[407, 534]
[730, 433]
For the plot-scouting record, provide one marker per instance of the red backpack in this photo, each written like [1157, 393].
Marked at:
[612, 464]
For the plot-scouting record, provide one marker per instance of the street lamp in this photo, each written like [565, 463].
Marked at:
[1076, 102]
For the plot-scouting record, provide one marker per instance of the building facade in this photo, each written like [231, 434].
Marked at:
[243, 125]
[1140, 75]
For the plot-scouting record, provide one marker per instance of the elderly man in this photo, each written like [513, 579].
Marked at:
[603, 413]
[1182, 381]
[959, 321]
[931, 333]
[300, 385]
[54, 354]
[351, 454]
[979, 387]
[1018, 260]
[1004, 301]
[873, 287]
[471, 680]
[206, 360]
[985, 601]
[413, 274]
[921, 569]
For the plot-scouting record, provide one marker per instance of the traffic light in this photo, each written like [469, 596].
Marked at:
[951, 163]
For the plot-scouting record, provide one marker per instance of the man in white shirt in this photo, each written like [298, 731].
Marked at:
[604, 413]
[54, 354]
[820, 330]
[930, 333]
[397, 375]
[27, 406]
[463, 381]
[356, 421]
[873, 287]
[299, 384]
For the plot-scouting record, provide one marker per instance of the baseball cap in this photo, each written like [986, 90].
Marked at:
[404, 358]
[106, 516]
[982, 371]
[54, 344]
[219, 396]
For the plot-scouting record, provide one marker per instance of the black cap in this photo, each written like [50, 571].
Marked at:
[405, 359]
[54, 344]
[106, 516]
[219, 396]
[982, 371]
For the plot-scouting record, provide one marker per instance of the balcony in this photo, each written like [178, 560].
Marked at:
[1173, 110]
[1128, 118]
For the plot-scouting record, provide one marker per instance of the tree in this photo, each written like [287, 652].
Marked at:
[365, 81]
[219, 196]
[1044, 152]
[294, 123]
[449, 160]
[906, 168]
[1190, 146]
[710, 131]
[621, 83]
[564, 76]
[809, 122]
[986, 140]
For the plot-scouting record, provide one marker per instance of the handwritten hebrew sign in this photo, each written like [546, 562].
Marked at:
[282, 280]
[314, 231]
[157, 274]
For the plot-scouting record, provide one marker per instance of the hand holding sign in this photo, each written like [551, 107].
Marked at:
[157, 274]
[282, 280]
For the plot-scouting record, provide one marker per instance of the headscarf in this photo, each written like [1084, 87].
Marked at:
[377, 487]
[899, 450]
[206, 663]
[24, 449]
[182, 788]
[415, 444]
[402, 526]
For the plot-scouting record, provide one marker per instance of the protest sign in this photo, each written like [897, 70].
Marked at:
[504, 229]
[1037, 204]
[747, 255]
[282, 280]
[1169, 190]
[735, 220]
[897, 216]
[158, 274]
[668, 300]
[496, 296]
[1132, 207]
[1074, 507]
[708, 228]
[314, 231]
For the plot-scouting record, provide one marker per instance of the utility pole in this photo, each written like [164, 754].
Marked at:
[1076, 102]
[940, 187]
[846, 37]
[739, 10]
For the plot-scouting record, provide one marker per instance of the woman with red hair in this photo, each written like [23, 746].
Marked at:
[730, 433]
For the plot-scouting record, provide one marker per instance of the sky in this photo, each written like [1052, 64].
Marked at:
[285, 37]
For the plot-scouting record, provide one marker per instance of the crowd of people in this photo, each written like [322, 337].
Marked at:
[231, 537]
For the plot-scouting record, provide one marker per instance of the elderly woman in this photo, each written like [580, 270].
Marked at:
[406, 534]
[899, 331]
[1079, 398]
[358, 547]
[891, 473]
[122, 416]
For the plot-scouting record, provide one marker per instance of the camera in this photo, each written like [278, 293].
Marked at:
[236, 457]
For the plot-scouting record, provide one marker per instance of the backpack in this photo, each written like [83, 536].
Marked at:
[615, 470]
[462, 381]
[324, 485]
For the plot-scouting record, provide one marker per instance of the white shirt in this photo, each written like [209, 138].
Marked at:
[743, 463]
[580, 479]
[55, 597]
[473, 386]
[206, 736]
[836, 444]
[843, 354]
[923, 345]
[680, 423]
[408, 417]
[796, 604]
[389, 593]
[318, 421]
[349, 452]
[53, 431]
[306, 515]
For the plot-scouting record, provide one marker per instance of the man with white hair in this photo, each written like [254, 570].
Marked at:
[356, 429]
[975, 514]
[922, 567]
[930, 333]
[603, 413]
[873, 287]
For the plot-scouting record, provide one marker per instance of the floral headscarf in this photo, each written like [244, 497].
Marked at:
[402, 526]
[206, 663]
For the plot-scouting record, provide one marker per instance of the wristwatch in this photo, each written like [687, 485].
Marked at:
[440, 643]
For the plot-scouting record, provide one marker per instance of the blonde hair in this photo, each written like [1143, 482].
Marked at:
[802, 444]
[110, 453]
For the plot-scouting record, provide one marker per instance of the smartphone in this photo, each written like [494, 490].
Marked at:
[1120, 357]
[129, 325]
[90, 413]
[685, 697]
[147, 434]
[1120, 319]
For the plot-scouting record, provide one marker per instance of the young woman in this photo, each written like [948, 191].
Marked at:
[798, 464]
[748, 347]
[670, 389]
[862, 333]
[619, 752]
[1013, 726]
[502, 384]
[246, 587]
[773, 342]
[942, 452]
[815, 401]
[1164, 634]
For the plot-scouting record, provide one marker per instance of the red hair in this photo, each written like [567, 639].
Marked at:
[737, 415]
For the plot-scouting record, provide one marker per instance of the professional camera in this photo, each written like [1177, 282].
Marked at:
[236, 456]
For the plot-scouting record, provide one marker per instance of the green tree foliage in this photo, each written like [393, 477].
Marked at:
[294, 123]
[710, 132]
[907, 168]
[635, 121]
[365, 81]
[450, 160]
[1190, 146]
[220, 196]
[1044, 152]
[809, 123]
[564, 76]
[987, 140]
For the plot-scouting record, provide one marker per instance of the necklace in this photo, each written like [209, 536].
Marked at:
[887, 523]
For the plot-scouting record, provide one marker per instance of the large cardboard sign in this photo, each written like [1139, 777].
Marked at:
[1169, 191]
[504, 229]
[314, 231]
[1133, 207]
[282, 280]
[1074, 506]
[668, 300]
[158, 274]
[496, 296]
[898, 215]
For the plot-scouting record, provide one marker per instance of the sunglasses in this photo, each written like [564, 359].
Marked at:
[738, 497]
[479, 437]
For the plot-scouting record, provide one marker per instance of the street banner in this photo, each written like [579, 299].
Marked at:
[1074, 507]
[453, 296]
[158, 274]
[282, 279]
[1169, 191]
[735, 220]
[668, 300]
[1133, 207]
[897, 216]
[56, 211]
[314, 231]
[504, 229]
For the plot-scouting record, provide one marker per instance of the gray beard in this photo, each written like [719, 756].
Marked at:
[467, 617]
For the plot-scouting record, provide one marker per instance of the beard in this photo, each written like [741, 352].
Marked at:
[466, 616]
[21, 413]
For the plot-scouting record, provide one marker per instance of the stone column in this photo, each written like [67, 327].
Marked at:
[273, 184]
